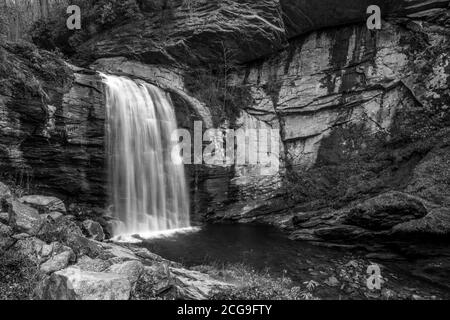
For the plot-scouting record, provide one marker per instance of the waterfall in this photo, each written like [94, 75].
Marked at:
[148, 191]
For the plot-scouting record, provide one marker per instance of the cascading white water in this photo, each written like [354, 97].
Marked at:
[148, 190]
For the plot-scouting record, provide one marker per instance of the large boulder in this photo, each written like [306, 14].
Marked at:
[62, 229]
[67, 231]
[167, 282]
[194, 285]
[57, 262]
[93, 230]
[76, 284]
[131, 269]
[44, 204]
[385, 211]
[23, 217]
[32, 248]
[93, 265]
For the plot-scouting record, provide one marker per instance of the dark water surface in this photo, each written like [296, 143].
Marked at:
[264, 247]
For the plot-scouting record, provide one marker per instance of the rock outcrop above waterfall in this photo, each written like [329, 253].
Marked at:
[194, 32]
[198, 32]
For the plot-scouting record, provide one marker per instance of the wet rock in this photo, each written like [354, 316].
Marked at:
[94, 230]
[57, 262]
[385, 211]
[112, 225]
[131, 269]
[76, 284]
[44, 204]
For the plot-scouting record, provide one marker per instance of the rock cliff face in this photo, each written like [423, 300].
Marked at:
[193, 32]
[52, 124]
[198, 32]
[361, 113]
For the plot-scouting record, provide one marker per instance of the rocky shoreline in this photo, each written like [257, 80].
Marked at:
[72, 259]
[76, 262]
